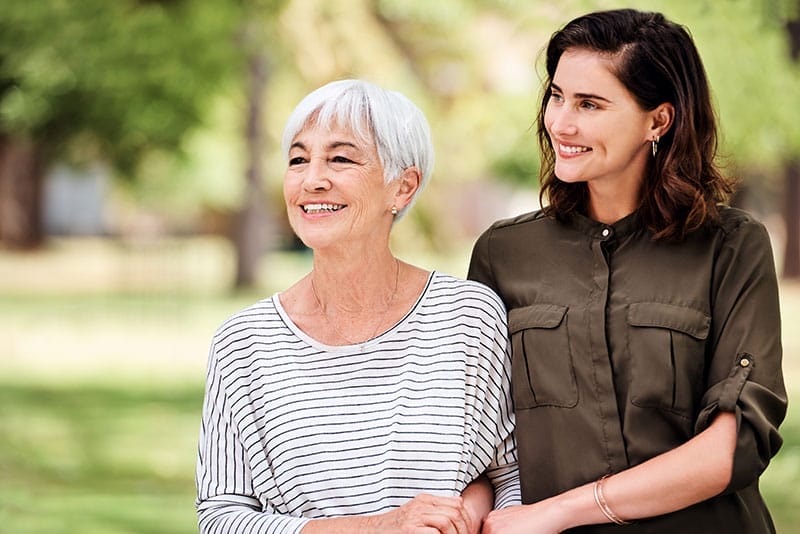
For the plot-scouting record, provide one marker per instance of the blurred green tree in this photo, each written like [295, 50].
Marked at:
[120, 81]
[83, 80]
[748, 54]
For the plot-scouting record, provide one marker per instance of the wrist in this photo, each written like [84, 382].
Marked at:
[574, 508]
[474, 516]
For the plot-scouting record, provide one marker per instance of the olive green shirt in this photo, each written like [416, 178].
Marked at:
[624, 348]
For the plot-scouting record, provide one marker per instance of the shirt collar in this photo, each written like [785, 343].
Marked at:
[625, 226]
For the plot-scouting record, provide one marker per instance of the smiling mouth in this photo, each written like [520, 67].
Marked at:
[573, 149]
[322, 208]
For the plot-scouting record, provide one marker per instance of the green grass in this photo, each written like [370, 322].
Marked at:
[101, 388]
[93, 458]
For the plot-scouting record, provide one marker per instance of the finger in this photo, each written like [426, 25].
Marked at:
[447, 520]
[456, 512]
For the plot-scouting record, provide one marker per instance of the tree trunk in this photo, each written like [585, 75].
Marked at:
[21, 177]
[791, 213]
[791, 257]
[251, 227]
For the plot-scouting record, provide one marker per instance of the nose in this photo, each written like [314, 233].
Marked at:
[316, 177]
[560, 121]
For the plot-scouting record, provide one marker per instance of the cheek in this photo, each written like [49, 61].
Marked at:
[548, 118]
[290, 186]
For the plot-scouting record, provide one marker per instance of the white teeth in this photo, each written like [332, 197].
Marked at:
[573, 149]
[322, 208]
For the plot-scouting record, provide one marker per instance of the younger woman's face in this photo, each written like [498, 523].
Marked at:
[600, 134]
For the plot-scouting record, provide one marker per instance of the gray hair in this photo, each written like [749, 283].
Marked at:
[398, 128]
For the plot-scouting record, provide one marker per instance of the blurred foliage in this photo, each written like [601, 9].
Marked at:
[158, 87]
[95, 79]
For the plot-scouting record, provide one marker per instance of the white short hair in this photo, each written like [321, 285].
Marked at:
[398, 128]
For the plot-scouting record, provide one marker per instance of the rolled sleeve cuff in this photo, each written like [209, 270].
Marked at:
[758, 412]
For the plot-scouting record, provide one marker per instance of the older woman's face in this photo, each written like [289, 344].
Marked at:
[334, 189]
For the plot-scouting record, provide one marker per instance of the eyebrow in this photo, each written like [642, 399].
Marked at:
[582, 95]
[330, 146]
[339, 144]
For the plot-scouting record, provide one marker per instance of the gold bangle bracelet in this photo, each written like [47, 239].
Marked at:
[600, 499]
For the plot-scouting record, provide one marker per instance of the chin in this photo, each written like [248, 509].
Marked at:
[570, 179]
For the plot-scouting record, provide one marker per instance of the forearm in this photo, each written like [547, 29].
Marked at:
[340, 525]
[478, 501]
[697, 470]
[425, 513]
[234, 519]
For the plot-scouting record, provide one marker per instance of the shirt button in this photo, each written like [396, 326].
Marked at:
[745, 362]
[605, 232]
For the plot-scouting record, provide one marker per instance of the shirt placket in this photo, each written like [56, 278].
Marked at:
[603, 375]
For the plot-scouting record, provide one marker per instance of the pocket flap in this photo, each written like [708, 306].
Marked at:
[536, 316]
[660, 315]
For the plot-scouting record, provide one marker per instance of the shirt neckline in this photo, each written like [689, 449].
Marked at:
[627, 225]
[358, 347]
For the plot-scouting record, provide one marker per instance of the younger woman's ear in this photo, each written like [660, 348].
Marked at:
[663, 117]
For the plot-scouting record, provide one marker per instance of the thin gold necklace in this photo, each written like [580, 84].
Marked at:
[380, 320]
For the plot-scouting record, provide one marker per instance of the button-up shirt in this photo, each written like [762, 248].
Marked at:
[625, 347]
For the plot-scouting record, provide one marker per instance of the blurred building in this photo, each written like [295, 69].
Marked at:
[74, 201]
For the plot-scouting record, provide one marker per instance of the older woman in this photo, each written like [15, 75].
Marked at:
[368, 396]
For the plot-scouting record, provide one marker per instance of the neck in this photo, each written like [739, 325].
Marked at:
[352, 286]
[611, 205]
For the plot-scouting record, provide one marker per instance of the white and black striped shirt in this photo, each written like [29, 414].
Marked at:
[293, 429]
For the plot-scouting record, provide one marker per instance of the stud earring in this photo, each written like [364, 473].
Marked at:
[654, 145]
[394, 210]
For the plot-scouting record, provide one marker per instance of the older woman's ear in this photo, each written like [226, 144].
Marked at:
[408, 184]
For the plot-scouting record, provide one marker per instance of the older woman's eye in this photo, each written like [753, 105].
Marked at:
[341, 159]
[297, 160]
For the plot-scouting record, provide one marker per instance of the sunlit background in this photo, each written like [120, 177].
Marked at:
[140, 203]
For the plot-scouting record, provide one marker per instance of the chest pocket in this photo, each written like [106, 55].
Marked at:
[667, 350]
[542, 370]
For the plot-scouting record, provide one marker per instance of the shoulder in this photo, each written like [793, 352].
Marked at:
[524, 219]
[736, 223]
[257, 319]
[532, 225]
[465, 312]
[464, 294]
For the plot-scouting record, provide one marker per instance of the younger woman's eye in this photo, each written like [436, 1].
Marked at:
[556, 97]
[588, 104]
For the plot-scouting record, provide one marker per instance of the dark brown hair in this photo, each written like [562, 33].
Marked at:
[657, 61]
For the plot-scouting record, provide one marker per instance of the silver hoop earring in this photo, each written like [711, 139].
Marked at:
[394, 210]
[654, 145]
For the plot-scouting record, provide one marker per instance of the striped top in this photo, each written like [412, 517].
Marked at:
[293, 429]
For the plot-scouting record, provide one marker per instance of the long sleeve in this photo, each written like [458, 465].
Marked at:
[503, 471]
[226, 500]
[480, 267]
[745, 374]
